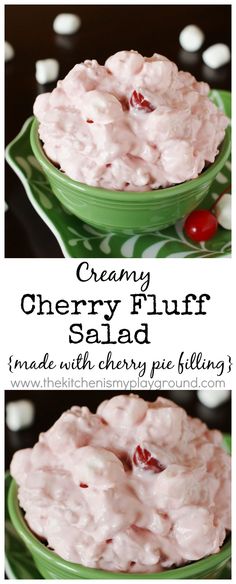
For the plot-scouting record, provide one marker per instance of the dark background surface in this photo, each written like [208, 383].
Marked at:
[49, 406]
[105, 30]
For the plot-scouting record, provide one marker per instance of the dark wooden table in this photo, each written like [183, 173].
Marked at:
[50, 404]
[105, 30]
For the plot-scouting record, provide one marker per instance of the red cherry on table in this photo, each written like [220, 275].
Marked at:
[201, 225]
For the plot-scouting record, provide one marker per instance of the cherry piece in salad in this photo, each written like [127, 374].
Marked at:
[144, 459]
[201, 225]
[139, 102]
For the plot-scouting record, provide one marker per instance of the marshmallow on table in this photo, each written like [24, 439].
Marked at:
[19, 414]
[216, 56]
[223, 211]
[66, 23]
[9, 51]
[212, 398]
[191, 38]
[47, 70]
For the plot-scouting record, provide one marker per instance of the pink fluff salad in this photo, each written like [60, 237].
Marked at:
[136, 487]
[134, 124]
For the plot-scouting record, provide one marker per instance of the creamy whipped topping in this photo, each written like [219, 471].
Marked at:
[134, 124]
[136, 487]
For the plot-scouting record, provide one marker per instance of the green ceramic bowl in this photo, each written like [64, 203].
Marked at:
[52, 567]
[119, 211]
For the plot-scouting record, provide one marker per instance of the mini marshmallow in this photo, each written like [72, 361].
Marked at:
[19, 414]
[191, 38]
[223, 211]
[66, 23]
[212, 398]
[216, 56]
[9, 51]
[47, 70]
[96, 466]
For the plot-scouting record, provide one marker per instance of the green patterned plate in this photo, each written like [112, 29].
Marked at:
[77, 239]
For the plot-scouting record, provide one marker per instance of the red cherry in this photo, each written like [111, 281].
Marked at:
[83, 486]
[143, 458]
[201, 225]
[139, 102]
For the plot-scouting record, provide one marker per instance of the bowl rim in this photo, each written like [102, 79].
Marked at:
[135, 196]
[32, 542]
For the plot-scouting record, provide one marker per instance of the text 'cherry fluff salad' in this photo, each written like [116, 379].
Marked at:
[134, 124]
[136, 487]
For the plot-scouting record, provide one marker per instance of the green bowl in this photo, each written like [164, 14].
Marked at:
[52, 567]
[120, 211]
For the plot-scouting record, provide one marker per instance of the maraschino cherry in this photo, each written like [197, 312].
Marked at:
[202, 224]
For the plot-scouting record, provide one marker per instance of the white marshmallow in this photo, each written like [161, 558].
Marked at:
[223, 211]
[191, 38]
[211, 398]
[66, 23]
[216, 55]
[19, 414]
[101, 107]
[47, 70]
[96, 466]
[9, 51]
